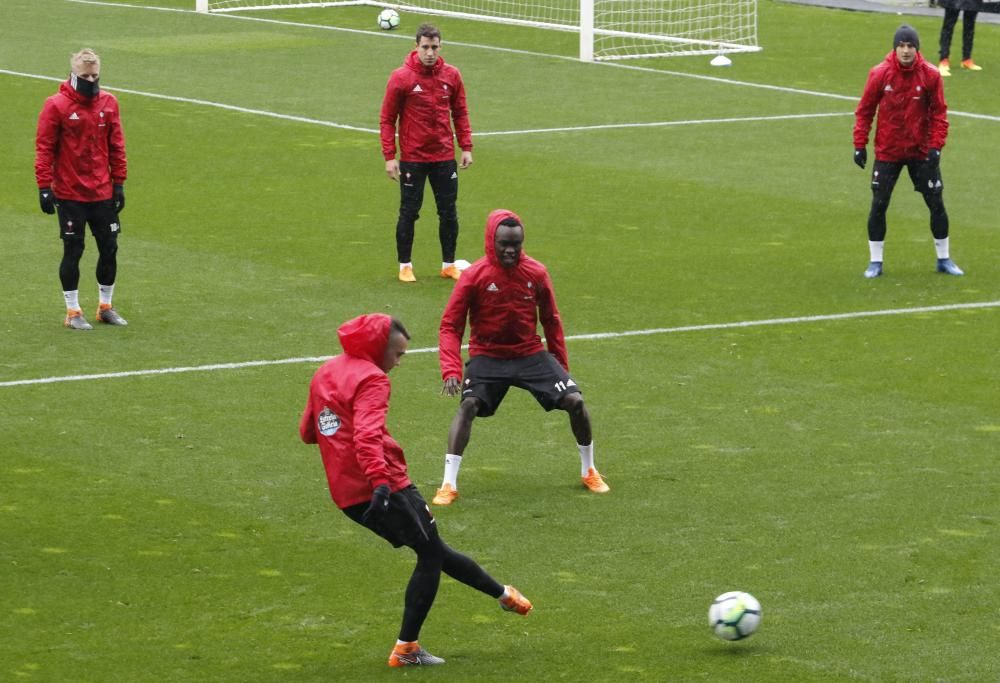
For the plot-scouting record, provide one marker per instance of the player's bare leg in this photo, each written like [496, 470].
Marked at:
[458, 438]
[579, 422]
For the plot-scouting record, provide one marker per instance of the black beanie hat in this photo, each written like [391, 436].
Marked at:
[906, 34]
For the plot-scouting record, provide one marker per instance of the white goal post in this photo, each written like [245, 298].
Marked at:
[608, 29]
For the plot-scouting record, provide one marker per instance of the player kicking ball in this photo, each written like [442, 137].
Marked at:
[368, 478]
[504, 296]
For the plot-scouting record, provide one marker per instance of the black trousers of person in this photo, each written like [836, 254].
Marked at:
[443, 177]
[102, 218]
[926, 178]
[968, 32]
[408, 522]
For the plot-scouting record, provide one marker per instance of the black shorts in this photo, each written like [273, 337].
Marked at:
[408, 521]
[100, 216]
[488, 380]
[926, 176]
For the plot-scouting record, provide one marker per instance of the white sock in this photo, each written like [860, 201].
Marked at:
[407, 264]
[447, 264]
[941, 247]
[72, 300]
[451, 464]
[586, 458]
[875, 249]
[105, 292]
[506, 594]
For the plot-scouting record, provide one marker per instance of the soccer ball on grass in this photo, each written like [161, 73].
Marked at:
[734, 615]
[388, 19]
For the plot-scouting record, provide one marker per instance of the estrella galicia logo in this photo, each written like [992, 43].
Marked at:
[328, 422]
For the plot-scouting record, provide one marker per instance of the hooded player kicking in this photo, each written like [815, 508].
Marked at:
[368, 478]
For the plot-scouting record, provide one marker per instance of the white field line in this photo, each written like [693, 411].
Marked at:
[539, 55]
[206, 103]
[577, 337]
[375, 131]
[662, 124]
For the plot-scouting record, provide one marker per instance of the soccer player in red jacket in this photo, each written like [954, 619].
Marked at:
[504, 295]
[908, 94]
[80, 169]
[367, 474]
[425, 96]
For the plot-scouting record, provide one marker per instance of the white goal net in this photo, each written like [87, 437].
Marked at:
[608, 29]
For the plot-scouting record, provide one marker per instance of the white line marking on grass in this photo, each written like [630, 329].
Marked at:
[615, 64]
[661, 124]
[217, 105]
[375, 131]
[789, 321]
[173, 371]
[576, 337]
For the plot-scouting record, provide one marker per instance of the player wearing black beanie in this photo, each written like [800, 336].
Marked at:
[905, 91]
[906, 34]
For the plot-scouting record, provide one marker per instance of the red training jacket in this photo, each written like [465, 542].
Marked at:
[425, 101]
[912, 113]
[345, 415]
[503, 306]
[80, 145]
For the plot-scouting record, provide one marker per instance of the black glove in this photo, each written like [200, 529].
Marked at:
[861, 156]
[47, 200]
[934, 155]
[118, 197]
[379, 505]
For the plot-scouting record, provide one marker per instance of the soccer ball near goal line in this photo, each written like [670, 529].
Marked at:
[734, 615]
[388, 19]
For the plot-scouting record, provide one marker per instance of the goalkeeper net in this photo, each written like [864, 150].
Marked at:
[608, 29]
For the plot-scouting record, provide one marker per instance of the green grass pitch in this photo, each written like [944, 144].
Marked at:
[842, 469]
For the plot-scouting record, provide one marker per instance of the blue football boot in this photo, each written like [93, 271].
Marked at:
[946, 265]
[874, 269]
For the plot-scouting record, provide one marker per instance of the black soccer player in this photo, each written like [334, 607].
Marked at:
[504, 296]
